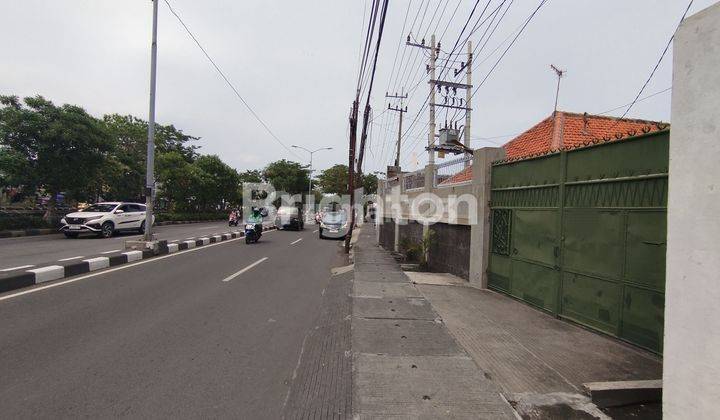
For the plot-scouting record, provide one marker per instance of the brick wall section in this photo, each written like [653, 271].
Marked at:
[387, 233]
[450, 249]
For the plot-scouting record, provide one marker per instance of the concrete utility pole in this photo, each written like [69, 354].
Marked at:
[401, 111]
[310, 171]
[560, 74]
[351, 167]
[431, 134]
[468, 96]
[150, 171]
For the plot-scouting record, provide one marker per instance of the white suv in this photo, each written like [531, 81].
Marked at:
[105, 219]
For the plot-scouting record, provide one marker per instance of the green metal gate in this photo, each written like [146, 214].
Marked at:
[581, 234]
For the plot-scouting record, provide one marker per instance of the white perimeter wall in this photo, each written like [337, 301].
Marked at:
[691, 378]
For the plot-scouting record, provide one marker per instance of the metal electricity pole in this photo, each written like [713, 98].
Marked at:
[150, 170]
[312, 152]
[401, 111]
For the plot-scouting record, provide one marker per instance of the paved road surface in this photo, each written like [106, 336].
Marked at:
[35, 250]
[167, 337]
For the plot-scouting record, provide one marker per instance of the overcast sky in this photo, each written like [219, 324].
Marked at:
[296, 63]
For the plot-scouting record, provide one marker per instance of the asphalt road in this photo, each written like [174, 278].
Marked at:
[167, 337]
[43, 249]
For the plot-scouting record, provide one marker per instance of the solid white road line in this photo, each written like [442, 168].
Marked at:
[110, 252]
[18, 268]
[72, 258]
[294, 242]
[249, 267]
[122, 267]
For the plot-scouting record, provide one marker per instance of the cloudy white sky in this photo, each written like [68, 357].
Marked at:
[296, 63]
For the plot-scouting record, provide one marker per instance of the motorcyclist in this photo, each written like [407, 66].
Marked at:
[256, 219]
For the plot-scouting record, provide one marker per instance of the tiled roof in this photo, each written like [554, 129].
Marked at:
[567, 130]
[462, 176]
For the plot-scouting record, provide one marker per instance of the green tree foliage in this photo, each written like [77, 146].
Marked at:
[253, 175]
[370, 183]
[125, 177]
[62, 149]
[63, 146]
[333, 180]
[218, 183]
[287, 176]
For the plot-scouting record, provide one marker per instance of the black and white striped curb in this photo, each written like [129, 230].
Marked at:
[26, 278]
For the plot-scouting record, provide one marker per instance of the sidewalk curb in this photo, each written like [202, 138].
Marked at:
[49, 231]
[27, 278]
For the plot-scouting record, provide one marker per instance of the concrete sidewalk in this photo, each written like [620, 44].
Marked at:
[472, 353]
[537, 360]
[406, 364]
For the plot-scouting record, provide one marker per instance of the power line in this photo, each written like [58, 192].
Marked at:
[254, 114]
[652, 73]
[636, 101]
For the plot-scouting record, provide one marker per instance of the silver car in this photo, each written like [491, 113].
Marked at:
[333, 225]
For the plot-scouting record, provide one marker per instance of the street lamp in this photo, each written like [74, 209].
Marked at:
[311, 157]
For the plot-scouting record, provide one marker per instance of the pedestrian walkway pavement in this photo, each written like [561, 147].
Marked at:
[426, 345]
[406, 364]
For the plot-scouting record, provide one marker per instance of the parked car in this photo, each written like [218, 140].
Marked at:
[289, 217]
[333, 225]
[104, 219]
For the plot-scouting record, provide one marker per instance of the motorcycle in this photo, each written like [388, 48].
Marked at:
[233, 219]
[252, 235]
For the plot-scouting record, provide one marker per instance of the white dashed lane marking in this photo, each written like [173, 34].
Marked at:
[294, 242]
[249, 267]
[315, 231]
[110, 252]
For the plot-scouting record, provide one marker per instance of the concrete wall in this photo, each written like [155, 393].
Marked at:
[691, 377]
[411, 234]
[387, 233]
[450, 249]
[463, 232]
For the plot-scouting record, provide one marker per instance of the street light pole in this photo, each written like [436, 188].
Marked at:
[150, 174]
[312, 152]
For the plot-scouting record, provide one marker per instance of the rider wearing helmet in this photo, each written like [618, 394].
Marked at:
[256, 219]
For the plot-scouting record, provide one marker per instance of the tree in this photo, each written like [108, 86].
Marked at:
[287, 176]
[65, 147]
[179, 180]
[125, 179]
[333, 180]
[370, 183]
[219, 183]
[253, 175]
[15, 170]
